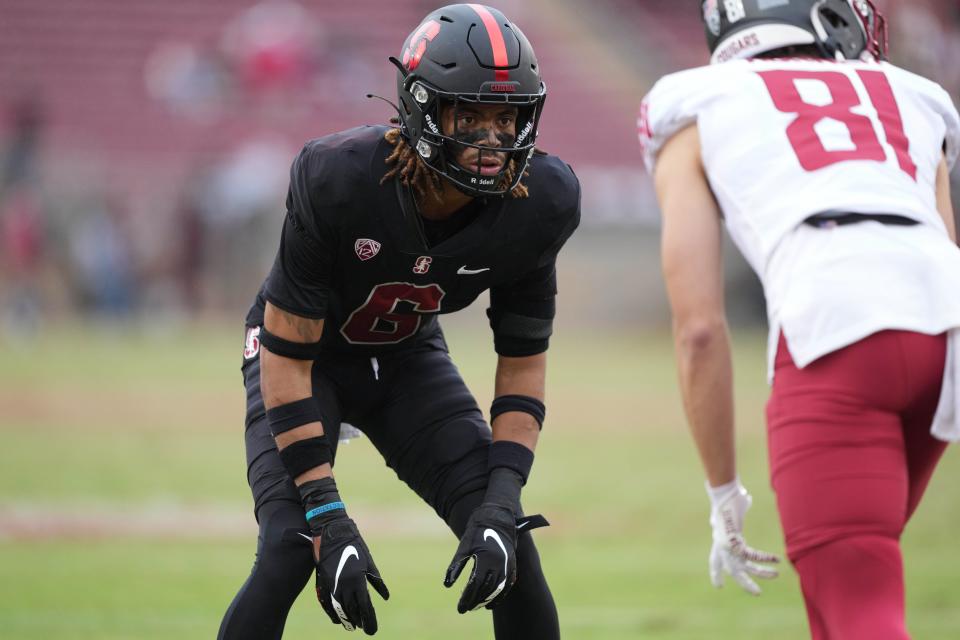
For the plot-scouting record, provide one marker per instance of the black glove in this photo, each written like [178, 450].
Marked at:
[491, 540]
[344, 564]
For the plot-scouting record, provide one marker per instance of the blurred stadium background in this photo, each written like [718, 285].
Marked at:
[144, 149]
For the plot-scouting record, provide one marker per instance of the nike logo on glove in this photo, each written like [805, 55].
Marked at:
[463, 271]
[490, 534]
[349, 552]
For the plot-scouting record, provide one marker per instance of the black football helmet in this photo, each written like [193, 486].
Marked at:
[468, 54]
[840, 29]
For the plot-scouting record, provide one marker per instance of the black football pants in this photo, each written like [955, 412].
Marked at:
[416, 410]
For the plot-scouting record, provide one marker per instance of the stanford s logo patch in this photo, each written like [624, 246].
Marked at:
[422, 265]
[252, 345]
[366, 248]
[419, 39]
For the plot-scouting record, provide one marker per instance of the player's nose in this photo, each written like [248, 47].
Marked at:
[491, 139]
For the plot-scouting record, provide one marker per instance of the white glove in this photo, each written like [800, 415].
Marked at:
[730, 552]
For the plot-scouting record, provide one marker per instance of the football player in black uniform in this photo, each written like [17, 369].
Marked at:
[386, 228]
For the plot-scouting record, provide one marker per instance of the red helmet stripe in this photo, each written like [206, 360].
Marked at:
[496, 41]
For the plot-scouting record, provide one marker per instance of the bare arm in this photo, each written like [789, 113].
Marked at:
[944, 203]
[284, 380]
[524, 376]
[692, 267]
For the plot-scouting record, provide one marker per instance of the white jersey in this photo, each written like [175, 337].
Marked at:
[782, 140]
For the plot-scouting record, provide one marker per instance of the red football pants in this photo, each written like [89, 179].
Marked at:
[850, 457]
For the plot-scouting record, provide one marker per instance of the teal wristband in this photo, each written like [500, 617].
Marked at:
[333, 506]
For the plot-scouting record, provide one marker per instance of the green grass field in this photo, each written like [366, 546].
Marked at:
[146, 431]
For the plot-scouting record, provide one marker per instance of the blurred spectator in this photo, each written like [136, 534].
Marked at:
[242, 208]
[271, 45]
[100, 251]
[189, 81]
[20, 161]
[192, 238]
[21, 256]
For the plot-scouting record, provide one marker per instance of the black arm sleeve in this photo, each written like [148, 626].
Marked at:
[301, 276]
[521, 312]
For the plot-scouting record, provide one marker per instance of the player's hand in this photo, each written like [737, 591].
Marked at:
[730, 553]
[344, 567]
[491, 540]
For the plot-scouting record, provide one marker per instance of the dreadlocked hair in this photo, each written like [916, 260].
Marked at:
[414, 172]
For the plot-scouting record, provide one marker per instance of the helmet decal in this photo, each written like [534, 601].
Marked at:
[711, 16]
[735, 10]
[496, 42]
[418, 44]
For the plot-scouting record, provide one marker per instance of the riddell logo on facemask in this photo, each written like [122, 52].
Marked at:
[524, 133]
[431, 125]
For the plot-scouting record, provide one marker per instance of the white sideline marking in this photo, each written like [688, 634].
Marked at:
[36, 521]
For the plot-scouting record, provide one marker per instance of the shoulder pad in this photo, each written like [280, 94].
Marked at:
[332, 171]
[555, 190]
[674, 103]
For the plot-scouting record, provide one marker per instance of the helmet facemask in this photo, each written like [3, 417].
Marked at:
[439, 150]
[874, 26]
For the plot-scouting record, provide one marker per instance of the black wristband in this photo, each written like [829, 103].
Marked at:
[503, 489]
[525, 404]
[511, 455]
[287, 349]
[322, 503]
[303, 455]
[292, 415]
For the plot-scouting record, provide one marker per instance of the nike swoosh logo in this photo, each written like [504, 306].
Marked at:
[310, 540]
[349, 552]
[519, 526]
[463, 271]
[490, 534]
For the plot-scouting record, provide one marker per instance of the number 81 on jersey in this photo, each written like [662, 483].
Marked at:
[802, 132]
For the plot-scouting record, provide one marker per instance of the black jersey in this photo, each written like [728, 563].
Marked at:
[354, 252]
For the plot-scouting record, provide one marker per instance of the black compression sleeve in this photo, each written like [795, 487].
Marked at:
[511, 455]
[503, 489]
[303, 455]
[292, 415]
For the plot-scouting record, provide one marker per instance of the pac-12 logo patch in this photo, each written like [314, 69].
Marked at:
[366, 248]
[252, 345]
[422, 265]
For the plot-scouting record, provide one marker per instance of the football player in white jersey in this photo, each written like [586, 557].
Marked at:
[829, 168]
